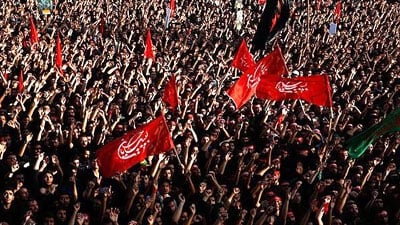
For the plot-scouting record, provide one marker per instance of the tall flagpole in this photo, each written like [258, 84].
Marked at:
[308, 24]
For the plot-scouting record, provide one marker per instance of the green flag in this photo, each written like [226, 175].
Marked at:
[359, 143]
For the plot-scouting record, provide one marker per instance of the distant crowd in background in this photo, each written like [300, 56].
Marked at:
[275, 163]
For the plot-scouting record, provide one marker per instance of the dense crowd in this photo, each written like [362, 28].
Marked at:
[265, 163]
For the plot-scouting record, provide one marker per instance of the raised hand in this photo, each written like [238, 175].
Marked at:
[114, 213]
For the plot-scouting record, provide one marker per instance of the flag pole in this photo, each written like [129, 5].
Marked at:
[179, 160]
[308, 23]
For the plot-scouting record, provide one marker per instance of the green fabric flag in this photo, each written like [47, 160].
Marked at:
[359, 143]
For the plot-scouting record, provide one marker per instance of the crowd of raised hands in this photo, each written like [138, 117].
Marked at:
[265, 163]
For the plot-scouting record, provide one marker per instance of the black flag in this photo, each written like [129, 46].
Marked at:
[275, 15]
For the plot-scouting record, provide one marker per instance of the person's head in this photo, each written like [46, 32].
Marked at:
[22, 193]
[12, 159]
[61, 215]
[167, 173]
[48, 178]
[257, 108]
[165, 187]
[94, 164]
[170, 204]
[49, 219]
[382, 217]
[337, 221]
[54, 142]
[3, 119]
[37, 149]
[64, 200]
[8, 196]
[343, 154]
[352, 209]
[195, 170]
[33, 206]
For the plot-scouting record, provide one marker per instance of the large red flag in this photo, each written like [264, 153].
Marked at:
[34, 34]
[59, 54]
[244, 88]
[148, 52]
[338, 11]
[243, 59]
[132, 148]
[275, 63]
[271, 65]
[276, 67]
[171, 93]
[315, 89]
[21, 82]
[172, 6]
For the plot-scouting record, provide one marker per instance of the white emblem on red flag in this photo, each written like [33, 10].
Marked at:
[134, 146]
[291, 87]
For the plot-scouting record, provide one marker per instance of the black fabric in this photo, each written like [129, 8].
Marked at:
[277, 10]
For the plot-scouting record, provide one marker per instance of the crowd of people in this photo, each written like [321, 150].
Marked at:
[281, 163]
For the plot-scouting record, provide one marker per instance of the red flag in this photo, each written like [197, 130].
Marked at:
[172, 6]
[171, 93]
[281, 118]
[275, 63]
[338, 11]
[262, 2]
[148, 52]
[132, 148]
[315, 89]
[271, 65]
[243, 89]
[276, 67]
[58, 54]
[243, 59]
[34, 33]
[5, 75]
[21, 82]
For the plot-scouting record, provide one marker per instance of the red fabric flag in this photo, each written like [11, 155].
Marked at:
[171, 93]
[243, 59]
[5, 75]
[276, 67]
[244, 88]
[315, 89]
[281, 118]
[172, 6]
[148, 52]
[262, 2]
[271, 65]
[338, 11]
[34, 34]
[132, 148]
[275, 63]
[58, 54]
[21, 82]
